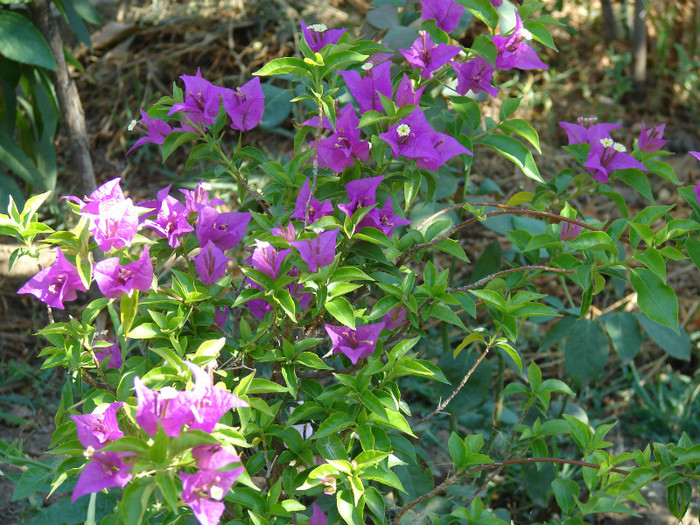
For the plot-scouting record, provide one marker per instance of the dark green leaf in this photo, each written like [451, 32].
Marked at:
[623, 330]
[655, 297]
[334, 423]
[22, 42]
[675, 343]
[282, 66]
[515, 151]
[637, 179]
[483, 10]
[586, 351]
[277, 105]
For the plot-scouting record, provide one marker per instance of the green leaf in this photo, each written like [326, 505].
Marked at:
[75, 22]
[32, 205]
[486, 49]
[30, 482]
[445, 313]
[19, 163]
[278, 105]
[489, 261]
[655, 298]
[22, 42]
[348, 273]
[512, 353]
[348, 509]
[675, 343]
[264, 386]
[565, 492]
[623, 330]
[284, 299]
[635, 480]
[663, 170]
[311, 360]
[373, 404]
[522, 128]
[128, 306]
[483, 10]
[383, 17]
[371, 117]
[637, 179]
[340, 60]
[453, 248]
[540, 33]
[652, 259]
[175, 140]
[468, 109]
[471, 338]
[135, 500]
[334, 423]
[458, 450]
[191, 438]
[515, 151]
[678, 498]
[592, 240]
[692, 245]
[586, 351]
[209, 350]
[342, 310]
[144, 331]
[169, 490]
[283, 66]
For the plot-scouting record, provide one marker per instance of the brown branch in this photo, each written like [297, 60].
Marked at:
[446, 402]
[72, 114]
[312, 187]
[496, 464]
[481, 282]
[506, 210]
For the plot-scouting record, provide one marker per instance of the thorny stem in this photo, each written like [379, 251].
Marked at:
[241, 180]
[507, 210]
[506, 207]
[97, 365]
[498, 465]
[446, 402]
[495, 473]
[481, 282]
[312, 189]
[90, 381]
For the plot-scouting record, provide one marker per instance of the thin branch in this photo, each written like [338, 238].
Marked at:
[481, 282]
[501, 206]
[446, 402]
[252, 193]
[496, 464]
[312, 189]
[507, 210]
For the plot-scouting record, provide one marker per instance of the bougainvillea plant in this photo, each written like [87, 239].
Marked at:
[252, 356]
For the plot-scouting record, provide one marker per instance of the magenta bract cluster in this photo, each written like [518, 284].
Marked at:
[605, 155]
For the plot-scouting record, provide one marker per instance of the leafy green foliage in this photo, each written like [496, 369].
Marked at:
[445, 334]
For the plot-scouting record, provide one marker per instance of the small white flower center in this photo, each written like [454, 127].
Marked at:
[88, 452]
[132, 125]
[367, 66]
[619, 147]
[168, 392]
[607, 142]
[216, 492]
[262, 244]
[525, 34]
[403, 130]
[317, 230]
[319, 28]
